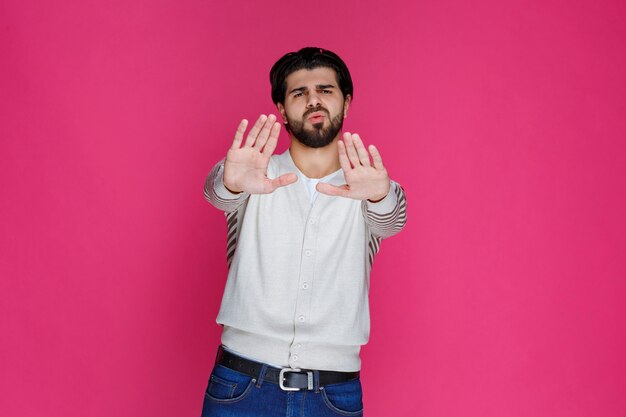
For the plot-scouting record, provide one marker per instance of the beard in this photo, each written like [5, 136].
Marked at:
[319, 136]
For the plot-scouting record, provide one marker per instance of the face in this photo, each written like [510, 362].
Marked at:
[314, 106]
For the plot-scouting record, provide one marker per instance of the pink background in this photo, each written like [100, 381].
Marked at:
[503, 120]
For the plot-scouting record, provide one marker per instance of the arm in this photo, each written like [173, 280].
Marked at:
[218, 195]
[386, 217]
[383, 200]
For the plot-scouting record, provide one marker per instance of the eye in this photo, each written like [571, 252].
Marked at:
[297, 94]
[327, 92]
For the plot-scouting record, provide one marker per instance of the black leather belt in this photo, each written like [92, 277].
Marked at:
[288, 379]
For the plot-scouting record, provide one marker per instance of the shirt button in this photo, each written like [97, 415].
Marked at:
[308, 252]
[312, 221]
[294, 357]
[298, 346]
[301, 318]
[305, 285]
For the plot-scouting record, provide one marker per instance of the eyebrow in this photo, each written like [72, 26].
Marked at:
[318, 86]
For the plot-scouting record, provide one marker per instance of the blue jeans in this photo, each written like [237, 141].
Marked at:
[233, 394]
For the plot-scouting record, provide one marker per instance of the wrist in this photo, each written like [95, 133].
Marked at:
[380, 197]
[376, 199]
[232, 190]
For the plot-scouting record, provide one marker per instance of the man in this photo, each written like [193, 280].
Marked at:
[303, 229]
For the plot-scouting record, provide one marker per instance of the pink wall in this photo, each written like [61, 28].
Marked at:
[503, 120]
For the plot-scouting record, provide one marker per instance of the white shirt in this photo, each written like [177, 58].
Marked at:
[311, 183]
[298, 282]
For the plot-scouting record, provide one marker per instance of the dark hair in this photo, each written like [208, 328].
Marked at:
[308, 58]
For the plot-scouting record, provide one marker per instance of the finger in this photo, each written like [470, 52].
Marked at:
[265, 132]
[364, 157]
[378, 161]
[255, 130]
[283, 180]
[239, 134]
[328, 189]
[270, 145]
[352, 155]
[343, 157]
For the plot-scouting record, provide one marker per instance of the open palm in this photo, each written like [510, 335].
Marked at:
[364, 180]
[245, 168]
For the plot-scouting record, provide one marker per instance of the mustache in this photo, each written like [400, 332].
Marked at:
[315, 109]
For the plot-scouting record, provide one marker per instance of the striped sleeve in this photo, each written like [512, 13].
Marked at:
[218, 195]
[388, 216]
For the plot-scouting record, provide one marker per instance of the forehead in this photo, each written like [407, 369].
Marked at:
[307, 78]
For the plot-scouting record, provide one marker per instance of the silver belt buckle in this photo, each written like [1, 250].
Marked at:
[281, 379]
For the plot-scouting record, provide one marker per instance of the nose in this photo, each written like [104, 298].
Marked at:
[313, 100]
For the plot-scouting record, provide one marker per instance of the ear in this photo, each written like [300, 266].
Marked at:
[346, 105]
[281, 109]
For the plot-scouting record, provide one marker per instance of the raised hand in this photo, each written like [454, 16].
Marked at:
[364, 180]
[245, 168]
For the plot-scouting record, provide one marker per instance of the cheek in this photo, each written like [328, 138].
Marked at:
[335, 109]
[295, 112]
[334, 104]
[291, 115]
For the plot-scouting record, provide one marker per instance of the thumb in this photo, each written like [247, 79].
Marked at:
[283, 180]
[333, 190]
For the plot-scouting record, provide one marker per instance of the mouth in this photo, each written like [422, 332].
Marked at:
[316, 117]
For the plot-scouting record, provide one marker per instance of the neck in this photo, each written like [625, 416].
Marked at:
[315, 162]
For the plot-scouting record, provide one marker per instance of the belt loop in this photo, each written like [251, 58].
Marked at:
[316, 381]
[220, 351]
[261, 376]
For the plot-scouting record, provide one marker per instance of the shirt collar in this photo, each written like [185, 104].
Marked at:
[287, 165]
